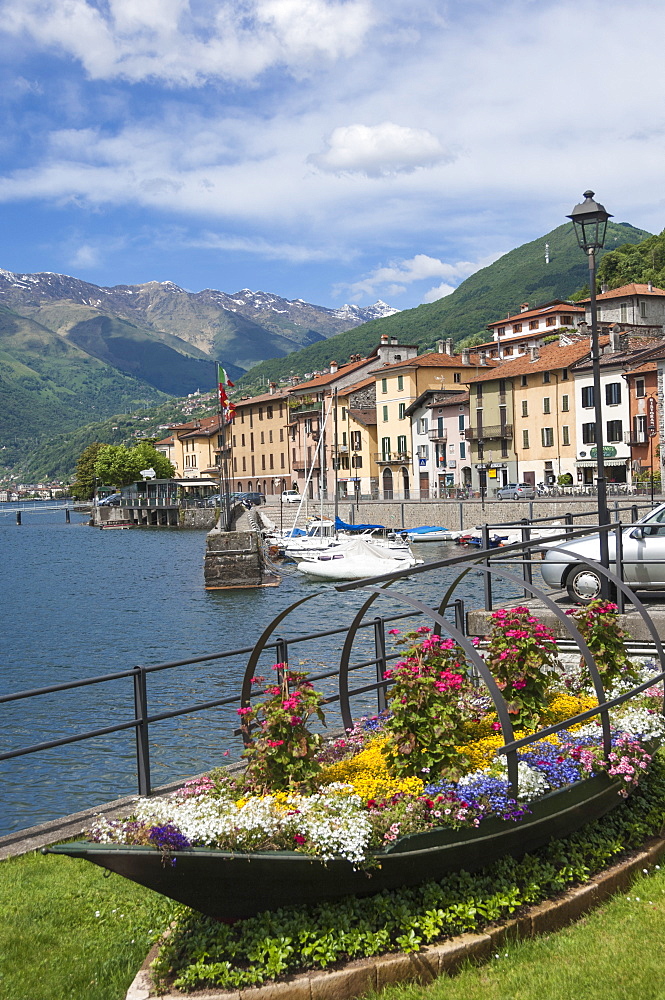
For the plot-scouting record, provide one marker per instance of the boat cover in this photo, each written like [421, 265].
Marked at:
[343, 526]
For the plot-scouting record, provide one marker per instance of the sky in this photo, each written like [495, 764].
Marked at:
[336, 151]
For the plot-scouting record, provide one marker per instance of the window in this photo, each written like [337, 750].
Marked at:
[565, 404]
[479, 392]
[546, 378]
[614, 430]
[546, 404]
[525, 408]
[504, 448]
[589, 433]
[385, 447]
[524, 381]
[502, 387]
[356, 444]
[269, 412]
[244, 464]
[564, 375]
[401, 445]
[623, 308]
[533, 324]
[550, 321]
[356, 461]
[271, 460]
[525, 439]
[385, 412]
[565, 434]
[402, 411]
[613, 393]
[281, 460]
[460, 423]
[344, 438]
[343, 413]
[567, 320]
[281, 434]
[269, 437]
[242, 440]
[400, 383]
[384, 385]
[260, 413]
[234, 440]
[424, 425]
[640, 429]
[640, 387]
[262, 438]
[462, 449]
[587, 396]
[423, 450]
[517, 327]
[547, 436]
[263, 461]
[501, 330]
[308, 425]
[457, 377]
[643, 310]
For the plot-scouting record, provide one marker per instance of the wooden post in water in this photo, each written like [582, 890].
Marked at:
[67, 516]
[18, 516]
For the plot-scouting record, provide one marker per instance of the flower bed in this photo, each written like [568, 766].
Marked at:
[431, 762]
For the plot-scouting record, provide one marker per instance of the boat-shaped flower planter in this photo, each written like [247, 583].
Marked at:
[229, 885]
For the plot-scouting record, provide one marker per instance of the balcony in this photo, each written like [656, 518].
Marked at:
[392, 458]
[308, 406]
[438, 435]
[489, 432]
[634, 439]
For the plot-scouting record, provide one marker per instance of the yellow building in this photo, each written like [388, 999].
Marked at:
[260, 459]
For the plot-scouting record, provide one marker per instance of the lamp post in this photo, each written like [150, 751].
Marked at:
[590, 224]
[651, 431]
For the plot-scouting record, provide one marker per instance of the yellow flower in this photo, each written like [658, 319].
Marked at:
[368, 773]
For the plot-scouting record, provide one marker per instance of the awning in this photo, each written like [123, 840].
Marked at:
[586, 464]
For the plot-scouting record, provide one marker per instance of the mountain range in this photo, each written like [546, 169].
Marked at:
[72, 352]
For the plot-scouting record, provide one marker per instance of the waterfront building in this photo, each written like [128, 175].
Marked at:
[634, 305]
[643, 433]
[194, 448]
[515, 335]
[439, 421]
[260, 461]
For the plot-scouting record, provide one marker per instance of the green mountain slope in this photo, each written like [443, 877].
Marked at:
[522, 275]
[47, 382]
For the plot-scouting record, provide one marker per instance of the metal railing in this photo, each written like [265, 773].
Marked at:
[511, 564]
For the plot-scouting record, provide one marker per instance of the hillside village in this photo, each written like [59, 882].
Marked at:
[396, 424]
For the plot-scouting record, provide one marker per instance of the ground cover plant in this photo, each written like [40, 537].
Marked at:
[69, 933]
[608, 955]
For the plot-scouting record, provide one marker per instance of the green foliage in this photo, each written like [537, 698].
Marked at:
[640, 262]
[83, 486]
[495, 291]
[117, 465]
[598, 623]
[565, 479]
[425, 723]
[281, 749]
[522, 655]
[202, 952]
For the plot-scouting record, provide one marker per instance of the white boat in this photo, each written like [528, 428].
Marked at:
[355, 559]
[322, 534]
[430, 533]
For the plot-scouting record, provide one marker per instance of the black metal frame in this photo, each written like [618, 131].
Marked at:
[489, 562]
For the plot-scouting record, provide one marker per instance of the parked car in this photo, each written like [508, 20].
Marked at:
[111, 501]
[290, 496]
[516, 491]
[255, 499]
[565, 565]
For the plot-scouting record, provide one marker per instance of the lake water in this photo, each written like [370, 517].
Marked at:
[79, 602]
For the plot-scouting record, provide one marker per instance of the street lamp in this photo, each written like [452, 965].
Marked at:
[590, 223]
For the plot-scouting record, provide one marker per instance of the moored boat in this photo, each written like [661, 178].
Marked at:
[355, 559]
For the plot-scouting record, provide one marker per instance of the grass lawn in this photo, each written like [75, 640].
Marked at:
[614, 953]
[66, 931]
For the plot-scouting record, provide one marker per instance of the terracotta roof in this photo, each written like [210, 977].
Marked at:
[266, 397]
[365, 416]
[207, 427]
[322, 380]
[514, 337]
[550, 358]
[456, 400]
[648, 366]
[549, 307]
[625, 290]
[433, 360]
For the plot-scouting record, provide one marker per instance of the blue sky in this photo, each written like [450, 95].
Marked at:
[332, 150]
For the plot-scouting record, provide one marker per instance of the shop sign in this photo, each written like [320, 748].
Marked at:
[609, 451]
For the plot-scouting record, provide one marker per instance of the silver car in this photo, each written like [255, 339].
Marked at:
[516, 491]
[565, 565]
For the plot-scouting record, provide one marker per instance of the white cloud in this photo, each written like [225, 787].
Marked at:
[260, 248]
[405, 272]
[378, 150]
[85, 256]
[186, 45]
[439, 292]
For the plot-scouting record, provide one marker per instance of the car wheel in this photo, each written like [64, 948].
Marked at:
[516, 496]
[583, 584]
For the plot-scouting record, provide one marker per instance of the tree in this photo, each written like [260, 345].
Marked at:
[83, 486]
[117, 465]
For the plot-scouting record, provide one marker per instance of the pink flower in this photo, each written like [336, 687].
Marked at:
[299, 839]
[244, 711]
[393, 631]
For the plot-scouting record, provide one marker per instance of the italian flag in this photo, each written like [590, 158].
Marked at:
[222, 377]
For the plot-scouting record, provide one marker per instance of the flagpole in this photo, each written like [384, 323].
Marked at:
[224, 489]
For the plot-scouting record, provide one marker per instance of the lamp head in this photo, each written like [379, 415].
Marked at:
[590, 222]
